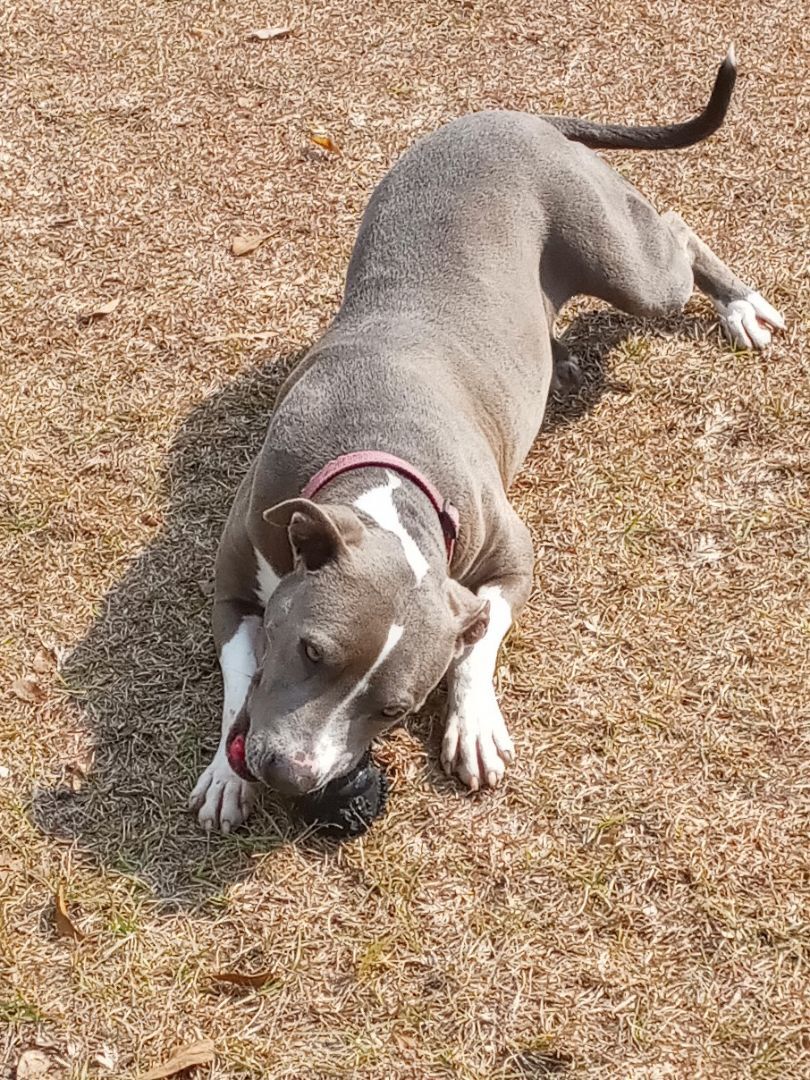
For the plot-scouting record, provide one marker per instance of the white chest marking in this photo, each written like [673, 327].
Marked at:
[379, 505]
[266, 578]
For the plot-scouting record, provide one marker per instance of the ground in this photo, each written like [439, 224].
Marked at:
[633, 901]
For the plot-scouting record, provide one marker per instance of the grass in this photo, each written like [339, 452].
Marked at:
[633, 902]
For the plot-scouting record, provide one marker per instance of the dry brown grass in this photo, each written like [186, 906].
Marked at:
[633, 903]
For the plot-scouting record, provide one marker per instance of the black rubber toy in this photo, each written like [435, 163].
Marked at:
[348, 805]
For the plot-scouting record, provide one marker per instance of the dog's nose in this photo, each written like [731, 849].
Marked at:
[294, 775]
[305, 765]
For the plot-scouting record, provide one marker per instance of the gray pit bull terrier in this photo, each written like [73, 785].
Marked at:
[347, 587]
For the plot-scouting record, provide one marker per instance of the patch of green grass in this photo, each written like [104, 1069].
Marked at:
[21, 524]
[634, 348]
[17, 1010]
[121, 925]
[374, 958]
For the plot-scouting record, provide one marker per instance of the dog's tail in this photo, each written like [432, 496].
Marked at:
[656, 137]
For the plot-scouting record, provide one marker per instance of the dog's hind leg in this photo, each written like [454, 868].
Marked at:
[566, 378]
[648, 264]
[746, 315]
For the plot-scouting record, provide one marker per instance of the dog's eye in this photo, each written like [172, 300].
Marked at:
[394, 712]
[313, 653]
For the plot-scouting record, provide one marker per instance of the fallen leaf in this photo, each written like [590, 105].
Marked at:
[77, 771]
[107, 1057]
[243, 245]
[64, 925]
[243, 978]
[27, 689]
[44, 660]
[324, 140]
[244, 102]
[269, 33]
[196, 1053]
[32, 1063]
[103, 309]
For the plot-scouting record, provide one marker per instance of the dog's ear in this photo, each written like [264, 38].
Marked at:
[470, 612]
[316, 533]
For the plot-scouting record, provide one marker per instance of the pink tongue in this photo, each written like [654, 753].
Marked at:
[236, 754]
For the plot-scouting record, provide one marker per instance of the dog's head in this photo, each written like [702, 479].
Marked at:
[354, 642]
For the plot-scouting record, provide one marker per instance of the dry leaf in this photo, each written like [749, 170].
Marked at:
[103, 309]
[196, 1053]
[32, 1063]
[269, 33]
[64, 925]
[243, 245]
[76, 772]
[107, 1057]
[244, 102]
[44, 660]
[324, 140]
[243, 978]
[27, 689]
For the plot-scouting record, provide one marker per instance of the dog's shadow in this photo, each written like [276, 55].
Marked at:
[145, 678]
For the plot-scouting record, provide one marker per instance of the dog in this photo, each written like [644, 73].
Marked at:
[371, 550]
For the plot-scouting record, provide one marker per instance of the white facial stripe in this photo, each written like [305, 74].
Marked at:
[394, 634]
[266, 578]
[379, 505]
[329, 745]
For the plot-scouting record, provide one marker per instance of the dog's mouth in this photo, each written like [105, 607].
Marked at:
[235, 747]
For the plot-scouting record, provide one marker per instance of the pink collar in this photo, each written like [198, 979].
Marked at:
[364, 459]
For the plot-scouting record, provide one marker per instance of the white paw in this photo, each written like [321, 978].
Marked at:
[476, 745]
[220, 798]
[748, 322]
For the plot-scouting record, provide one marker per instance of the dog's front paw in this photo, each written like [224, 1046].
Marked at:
[748, 322]
[220, 798]
[477, 746]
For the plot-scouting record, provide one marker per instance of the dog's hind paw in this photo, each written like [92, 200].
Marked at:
[567, 376]
[748, 322]
[221, 799]
[477, 746]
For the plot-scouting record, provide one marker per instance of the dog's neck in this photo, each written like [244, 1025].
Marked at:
[395, 503]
